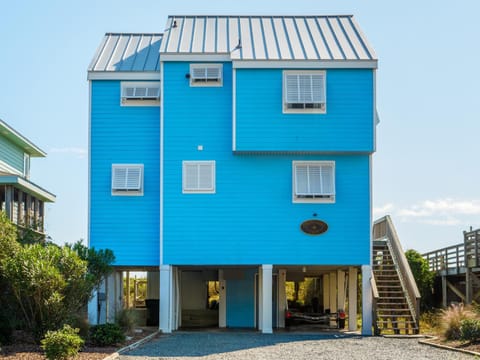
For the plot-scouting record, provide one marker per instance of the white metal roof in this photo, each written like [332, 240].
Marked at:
[127, 53]
[320, 38]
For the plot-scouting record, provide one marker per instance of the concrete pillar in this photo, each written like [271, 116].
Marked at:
[366, 300]
[326, 291]
[341, 289]
[166, 295]
[352, 298]
[282, 297]
[102, 303]
[111, 310]
[333, 292]
[93, 308]
[222, 301]
[266, 299]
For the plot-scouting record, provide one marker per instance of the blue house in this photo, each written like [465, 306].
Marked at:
[232, 155]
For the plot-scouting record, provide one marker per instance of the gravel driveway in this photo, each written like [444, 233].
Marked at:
[288, 346]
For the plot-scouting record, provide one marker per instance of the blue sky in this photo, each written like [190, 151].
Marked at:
[426, 173]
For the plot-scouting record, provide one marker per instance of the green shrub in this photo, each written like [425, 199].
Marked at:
[62, 344]
[470, 330]
[452, 318]
[106, 335]
[5, 330]
[127, 319]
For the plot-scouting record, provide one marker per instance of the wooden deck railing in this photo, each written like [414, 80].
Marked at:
[454, 259]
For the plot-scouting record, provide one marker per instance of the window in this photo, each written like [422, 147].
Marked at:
[127, 179]
[304, 92]
[205, 74]
[145, 93]
[26, 165]
[314, 181]
[199, 177]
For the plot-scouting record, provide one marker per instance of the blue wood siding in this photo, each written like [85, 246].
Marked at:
[251, 218]
[129, 225]
[241, 301]
[11, 154]
[347, 125]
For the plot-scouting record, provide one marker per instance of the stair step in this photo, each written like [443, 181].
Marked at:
[394, 310]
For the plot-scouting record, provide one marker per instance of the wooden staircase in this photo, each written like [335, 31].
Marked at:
[395, 295]
[392, 310]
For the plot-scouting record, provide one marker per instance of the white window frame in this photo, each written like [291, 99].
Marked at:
[126, 191]
[139, 100]
[306, 110]
[206, 83]
[312, 198]
[197, 189]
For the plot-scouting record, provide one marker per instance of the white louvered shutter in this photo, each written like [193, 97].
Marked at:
[205, 177]
[127, 178]
[199, 176]
[304, 91]
[190, 178]
[312, 180]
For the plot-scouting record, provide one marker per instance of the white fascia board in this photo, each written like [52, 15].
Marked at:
[28, 187]
[305, 64]
[123, 75]
[195, 57]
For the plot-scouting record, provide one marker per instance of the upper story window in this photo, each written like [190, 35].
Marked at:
[304, 92]
[199, 177]
[314, 181]
[144, 93]
[206, 74]
[26, 165]
[127, 179]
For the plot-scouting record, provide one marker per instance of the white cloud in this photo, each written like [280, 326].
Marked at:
[446, 212]
[79, 152]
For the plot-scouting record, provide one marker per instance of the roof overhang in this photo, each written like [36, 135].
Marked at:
[20, 140]
[28, 186]
[124, 75]
[305, 64]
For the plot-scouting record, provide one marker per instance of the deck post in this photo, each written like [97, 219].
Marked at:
[444, 291]
[468, 285]
[352, 298]
[266, 299]
[166, 298]
[333, 292]
[222, 301]
[367, 299]
[326, 291]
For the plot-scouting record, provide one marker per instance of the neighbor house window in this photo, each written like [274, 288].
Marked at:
[127, 179]
[199, 177]
[144, 93]
[26, 165]
[205, 74]
[304, 92]
[314, 181]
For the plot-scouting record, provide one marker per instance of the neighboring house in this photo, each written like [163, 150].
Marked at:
[22, 200]
[235, 149]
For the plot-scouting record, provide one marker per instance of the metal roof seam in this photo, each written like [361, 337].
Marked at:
[336, 39]
[302, 45]
[292, 55]
[349, 40]
[312, 40]
[193, 34]
[252, 40]
[361, 37]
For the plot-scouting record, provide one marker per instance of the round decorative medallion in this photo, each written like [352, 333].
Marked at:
[314, 227]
